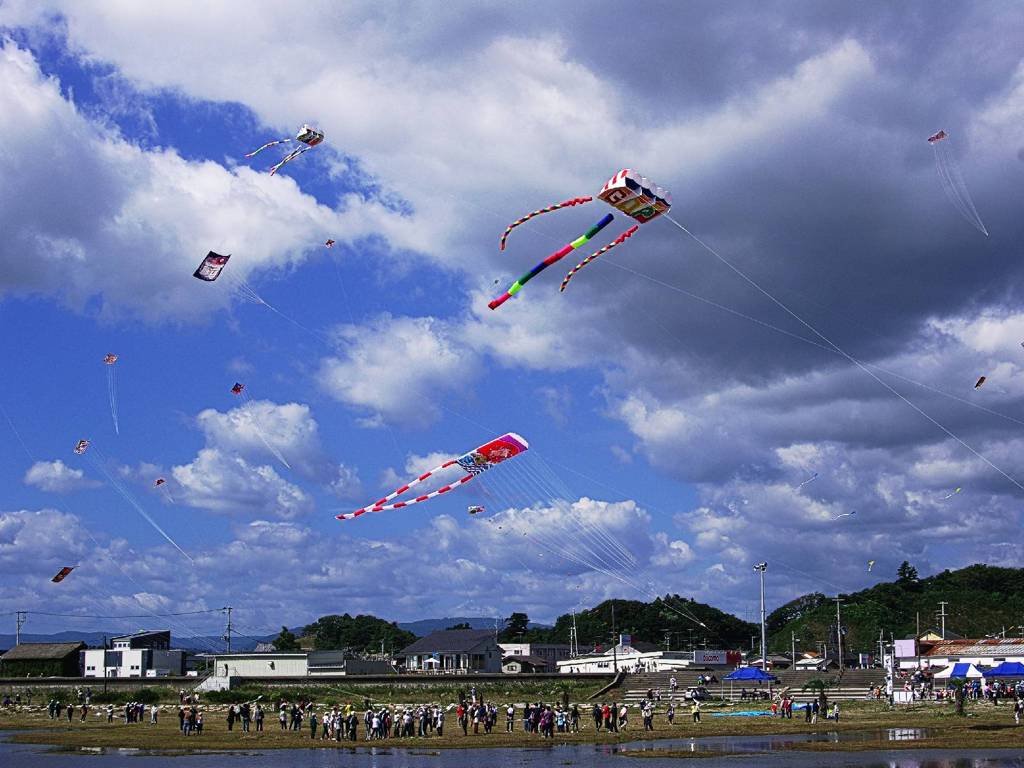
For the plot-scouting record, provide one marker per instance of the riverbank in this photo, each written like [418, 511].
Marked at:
[985, 727]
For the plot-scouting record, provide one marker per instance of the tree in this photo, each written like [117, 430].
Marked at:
[907, 573]
[462, 625]
[286, 641]
[818, 685]
[517, 624]
[959, 695]
[362, 634]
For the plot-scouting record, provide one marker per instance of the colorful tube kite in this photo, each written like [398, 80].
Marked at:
[307, 135]
[475, 462]
[556, 256]
[627, 191]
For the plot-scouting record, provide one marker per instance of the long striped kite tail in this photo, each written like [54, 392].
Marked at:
[549, 209]
[618, 240]
[268, 145]
[287, 159]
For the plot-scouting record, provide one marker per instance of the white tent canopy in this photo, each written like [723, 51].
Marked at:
[959, 671]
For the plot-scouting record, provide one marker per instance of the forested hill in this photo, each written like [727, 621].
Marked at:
[982, 600]
[651, 622]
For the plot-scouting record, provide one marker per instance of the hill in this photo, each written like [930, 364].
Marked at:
[652, 623]
[982, 600]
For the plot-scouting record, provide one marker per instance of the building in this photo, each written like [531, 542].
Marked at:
[141, 654]
[552, 653]
[159, 640]
[627, 654]
[453, 650]
[983, 653]
[43, 660]
[515, 665]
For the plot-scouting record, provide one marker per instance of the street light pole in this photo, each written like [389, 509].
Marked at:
[761, 568]
[793, 638]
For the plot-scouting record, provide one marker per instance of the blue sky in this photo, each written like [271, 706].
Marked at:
[671, 399]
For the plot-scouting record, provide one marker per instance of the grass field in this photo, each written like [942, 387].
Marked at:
[984, 727]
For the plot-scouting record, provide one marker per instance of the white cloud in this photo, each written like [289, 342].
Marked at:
[57, 477]
[398, 368]
[118, 204]
[221, 482]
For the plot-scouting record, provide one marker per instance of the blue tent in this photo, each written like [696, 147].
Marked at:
[750, 675]
[1007, 669]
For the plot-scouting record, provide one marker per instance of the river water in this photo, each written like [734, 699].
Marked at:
[766, 751]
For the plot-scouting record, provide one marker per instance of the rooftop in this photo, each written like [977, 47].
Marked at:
[42, 651]
[1010, 646]
[449, 641]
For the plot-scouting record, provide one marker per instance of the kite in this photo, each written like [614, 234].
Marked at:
[474, 463]
[109, 359]
[63, 573]
[475, 509]
[237, 389]
[811, 479]
[979, 382]
[329, 243]
[307, 135]
[952, 494]
[81, 447]
[953, 181]
[627, 191]
[556, 256]
[159, 481]
[845, 514]
[209, 269]
[249, 408]
[871, 564]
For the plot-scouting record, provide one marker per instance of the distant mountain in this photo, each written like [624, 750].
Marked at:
[199, 643]
[424, 627]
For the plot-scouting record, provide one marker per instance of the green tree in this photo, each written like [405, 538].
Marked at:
[460, 625]
[286, 641]
[515, 625]
[362, 633]
[818, 686]
[907, 573]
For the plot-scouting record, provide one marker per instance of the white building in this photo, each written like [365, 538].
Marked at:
[626, 655]
[142, 654]
[550, 653]
[981, 653]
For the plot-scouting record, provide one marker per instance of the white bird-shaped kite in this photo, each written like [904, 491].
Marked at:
[845, 514]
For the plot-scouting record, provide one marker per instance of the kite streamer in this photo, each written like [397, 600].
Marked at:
[556, 256]
[287, 159]
[549, 209]
[620, 239]
[475, 462]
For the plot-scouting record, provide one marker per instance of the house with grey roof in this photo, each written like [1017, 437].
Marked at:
[453, 651]
[42, 660]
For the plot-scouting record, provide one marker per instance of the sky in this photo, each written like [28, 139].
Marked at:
[815, 308]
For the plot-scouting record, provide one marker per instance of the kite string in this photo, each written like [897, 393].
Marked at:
[98, 463]
[838, 349]
[85, 529]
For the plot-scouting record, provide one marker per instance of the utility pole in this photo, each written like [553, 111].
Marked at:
[761, 568]
[839, 634]
[20, 617]
[574, 641]
[793, 638]
[615, 643]
[942, 617]
[227, 630]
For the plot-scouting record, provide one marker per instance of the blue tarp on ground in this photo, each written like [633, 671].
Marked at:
[1007, 669]
[750, 675]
